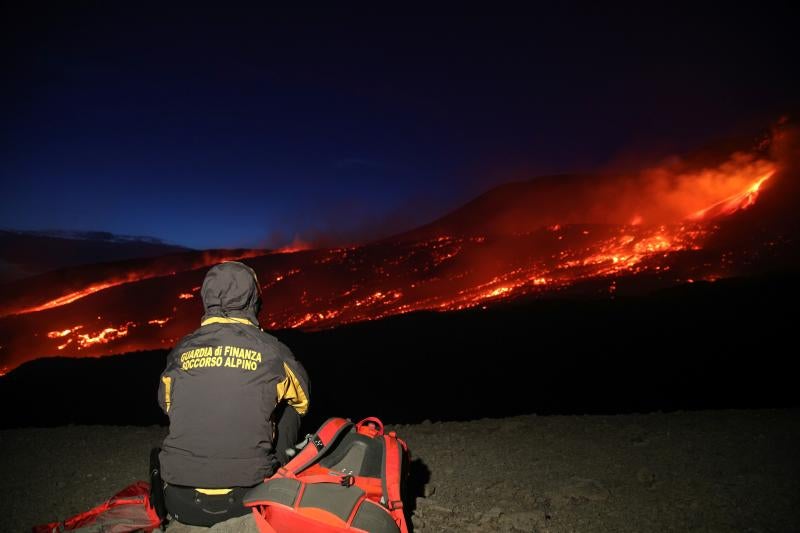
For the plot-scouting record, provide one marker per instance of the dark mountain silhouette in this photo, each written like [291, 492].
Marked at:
[27, 253]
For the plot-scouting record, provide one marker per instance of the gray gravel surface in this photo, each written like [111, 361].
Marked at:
[704, 471]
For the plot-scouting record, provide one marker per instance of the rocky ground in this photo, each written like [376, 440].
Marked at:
[704, 471]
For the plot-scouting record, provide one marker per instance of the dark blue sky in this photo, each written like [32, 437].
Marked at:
[223, 128]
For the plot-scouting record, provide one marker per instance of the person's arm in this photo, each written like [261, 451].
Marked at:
[293, 388]
[166, 383]
[293, 401]
[287, 431]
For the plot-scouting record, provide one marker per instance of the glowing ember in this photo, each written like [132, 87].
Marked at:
[185, 296]
[159, 321]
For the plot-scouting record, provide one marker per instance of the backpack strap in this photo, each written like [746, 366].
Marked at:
[316, 447]
[261, 522]
[157, 486]
[345, 480]
[394, 449]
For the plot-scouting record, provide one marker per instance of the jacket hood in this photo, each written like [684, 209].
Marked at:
[231, 290]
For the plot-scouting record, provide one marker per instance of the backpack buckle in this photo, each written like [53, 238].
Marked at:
[348, 480]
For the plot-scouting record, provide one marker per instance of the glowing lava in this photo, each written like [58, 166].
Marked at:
[297, 245]
[87, 340]
[105, 336]
[733, 203]
[654, 228]
[77, 295]
[64, 333]
[206, 259]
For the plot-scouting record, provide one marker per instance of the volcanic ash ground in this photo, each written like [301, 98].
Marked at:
[720, 471]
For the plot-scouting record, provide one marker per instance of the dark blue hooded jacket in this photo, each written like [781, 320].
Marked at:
[221, 386]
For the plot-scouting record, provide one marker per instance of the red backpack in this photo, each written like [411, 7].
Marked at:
[348, 478]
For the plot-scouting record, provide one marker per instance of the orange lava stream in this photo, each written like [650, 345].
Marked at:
[73, 296]
[87, 340]
[129, 278]
[733, 203]
[103, 337]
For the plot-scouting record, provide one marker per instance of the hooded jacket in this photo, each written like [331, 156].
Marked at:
[221, 386]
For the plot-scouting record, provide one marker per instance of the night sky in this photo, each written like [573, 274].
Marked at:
[225, 128]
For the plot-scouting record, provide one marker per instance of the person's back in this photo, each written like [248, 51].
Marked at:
[222, 388]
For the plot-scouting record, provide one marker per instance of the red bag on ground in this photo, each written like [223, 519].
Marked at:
[128, 510]
[347, 479]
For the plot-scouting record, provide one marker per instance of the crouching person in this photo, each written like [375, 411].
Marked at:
[234, 396]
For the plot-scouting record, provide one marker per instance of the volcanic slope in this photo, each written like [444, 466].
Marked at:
[657, 228]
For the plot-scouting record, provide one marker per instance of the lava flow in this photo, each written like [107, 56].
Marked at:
[531, 239]
[734, 203]
[154, 269]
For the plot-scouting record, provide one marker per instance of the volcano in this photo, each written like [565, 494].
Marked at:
[578, 236]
